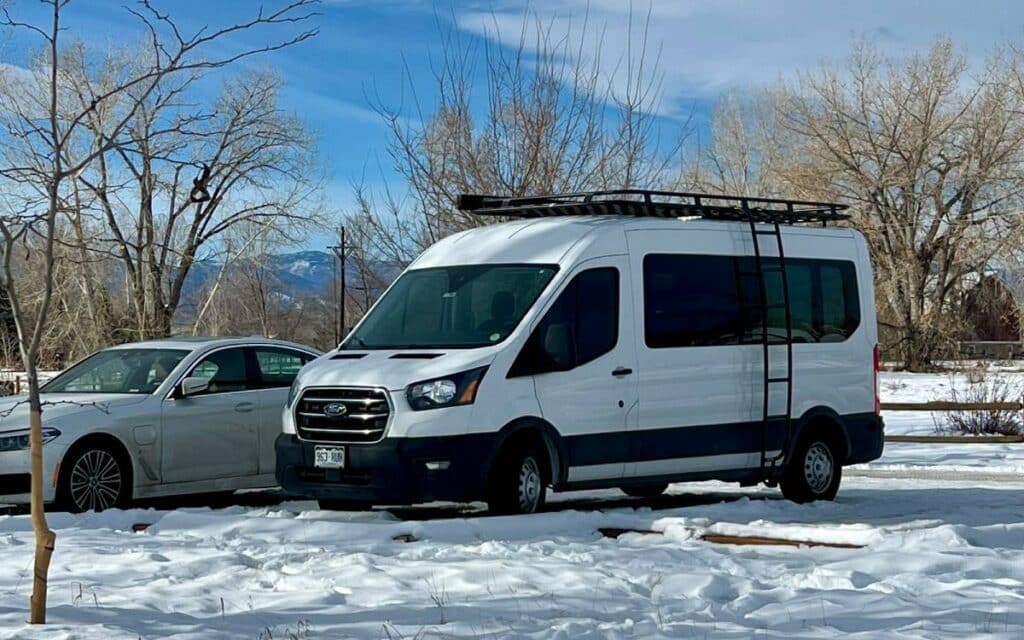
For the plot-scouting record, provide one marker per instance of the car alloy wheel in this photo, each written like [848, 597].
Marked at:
[96, 481]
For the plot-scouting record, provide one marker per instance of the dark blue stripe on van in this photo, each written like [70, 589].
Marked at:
[672, 442]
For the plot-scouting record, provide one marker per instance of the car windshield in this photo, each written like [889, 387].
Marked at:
[118, 371]
[452, 307]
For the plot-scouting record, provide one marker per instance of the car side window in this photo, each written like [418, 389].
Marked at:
[581, 326]
[278, 367]
[223, 370]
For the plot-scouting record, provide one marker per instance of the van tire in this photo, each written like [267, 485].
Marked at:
[94, 477]
[327, 504]
[814, 471]
[518, 481]
[645, 490]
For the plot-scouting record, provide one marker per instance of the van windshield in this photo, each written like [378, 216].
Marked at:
[452, 307]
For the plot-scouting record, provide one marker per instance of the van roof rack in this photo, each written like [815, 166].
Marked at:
[655, 204]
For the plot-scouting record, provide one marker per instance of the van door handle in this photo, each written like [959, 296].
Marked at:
[622, 371]
[244, 407]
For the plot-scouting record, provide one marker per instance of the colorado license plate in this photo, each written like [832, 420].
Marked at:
[329, 457]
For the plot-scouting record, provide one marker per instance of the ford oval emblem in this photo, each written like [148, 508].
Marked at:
[335, 409]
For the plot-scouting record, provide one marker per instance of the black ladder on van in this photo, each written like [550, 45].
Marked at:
[771, 377]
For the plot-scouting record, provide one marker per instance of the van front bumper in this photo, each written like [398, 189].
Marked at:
[392, 471]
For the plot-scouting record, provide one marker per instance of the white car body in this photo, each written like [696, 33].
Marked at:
[176, 445]
[668, 414]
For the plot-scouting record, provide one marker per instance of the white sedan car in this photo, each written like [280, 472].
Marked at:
[157, 418]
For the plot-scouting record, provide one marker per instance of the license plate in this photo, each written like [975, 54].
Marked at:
[329, 457]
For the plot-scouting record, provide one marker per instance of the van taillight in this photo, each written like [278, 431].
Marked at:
[878, 367]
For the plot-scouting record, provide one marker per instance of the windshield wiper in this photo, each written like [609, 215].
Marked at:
[353, 341]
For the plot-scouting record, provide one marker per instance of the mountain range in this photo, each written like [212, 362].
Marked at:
[297, 274]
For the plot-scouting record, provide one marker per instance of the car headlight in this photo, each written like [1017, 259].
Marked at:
[448, 391]
[17, 440]
[292, 392]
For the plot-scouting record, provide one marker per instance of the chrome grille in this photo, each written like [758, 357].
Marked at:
[342, 415]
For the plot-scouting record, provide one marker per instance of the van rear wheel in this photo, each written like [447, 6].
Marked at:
[814, 472]
[517, 484]
[645, 490]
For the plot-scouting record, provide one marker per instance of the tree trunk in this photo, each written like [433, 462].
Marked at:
[45, 538]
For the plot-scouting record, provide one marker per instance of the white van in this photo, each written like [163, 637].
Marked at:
[612, 339]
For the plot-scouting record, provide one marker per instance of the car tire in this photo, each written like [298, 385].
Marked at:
[327, 504]
[645, 490]
[518, 483]
[814, 471]
[94, 478]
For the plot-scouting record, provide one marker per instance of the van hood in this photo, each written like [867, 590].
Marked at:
[391, 369]
[14, 409]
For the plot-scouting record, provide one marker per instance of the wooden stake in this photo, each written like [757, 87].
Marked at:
[612, 532]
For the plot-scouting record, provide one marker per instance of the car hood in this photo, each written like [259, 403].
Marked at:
[14, 409]
[393, 370]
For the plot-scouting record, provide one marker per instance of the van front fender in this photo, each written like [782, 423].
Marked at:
[532, 426]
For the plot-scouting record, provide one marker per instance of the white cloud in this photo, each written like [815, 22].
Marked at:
[707, 47]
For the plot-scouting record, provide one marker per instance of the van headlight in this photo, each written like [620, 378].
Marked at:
[17, 440]
[292, 392]
[449, 391]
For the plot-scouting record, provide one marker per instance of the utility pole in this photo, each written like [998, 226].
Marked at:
[340, 252]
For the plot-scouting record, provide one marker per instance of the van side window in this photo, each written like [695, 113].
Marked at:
[695, 300]
[800, 278]
[581, 326]
[823, 300]
[839, 300]
[690, 301]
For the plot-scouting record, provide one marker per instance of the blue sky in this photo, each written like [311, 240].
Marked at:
[706, 47]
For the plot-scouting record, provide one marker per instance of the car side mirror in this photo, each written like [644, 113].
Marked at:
[191, 386]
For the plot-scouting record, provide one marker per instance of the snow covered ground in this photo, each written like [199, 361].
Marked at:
[939, 559]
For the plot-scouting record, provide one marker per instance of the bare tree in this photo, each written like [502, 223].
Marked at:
[254, 163]
[749, 150]
[46, 148]
[545, 120]
[932, 158]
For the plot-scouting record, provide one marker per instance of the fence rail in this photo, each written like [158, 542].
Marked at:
[942, 405]
[956, 439]
[13, 383]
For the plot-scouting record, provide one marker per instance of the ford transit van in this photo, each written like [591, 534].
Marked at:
[625, 339]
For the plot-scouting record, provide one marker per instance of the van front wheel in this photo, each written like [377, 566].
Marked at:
[814, 472]
[517, 484]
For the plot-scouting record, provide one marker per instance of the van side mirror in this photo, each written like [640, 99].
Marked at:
[191, 386]
[557, 345]
[549, 348]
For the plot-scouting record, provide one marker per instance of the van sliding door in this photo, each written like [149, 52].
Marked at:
[696, 377]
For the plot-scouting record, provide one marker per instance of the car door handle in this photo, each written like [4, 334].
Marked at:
[621, 371]
[244, 407]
